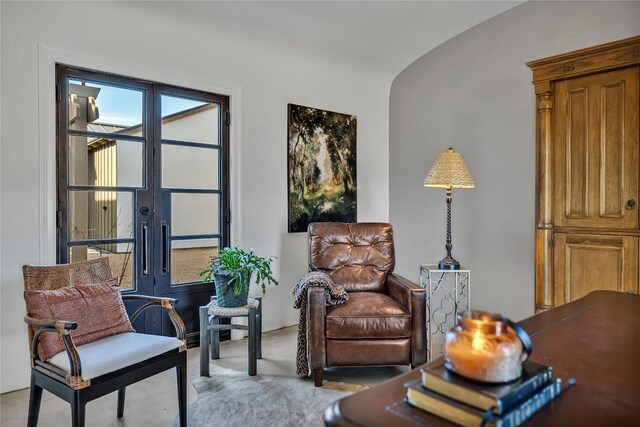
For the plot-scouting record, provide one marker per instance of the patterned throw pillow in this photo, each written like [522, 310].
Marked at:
[97, 309]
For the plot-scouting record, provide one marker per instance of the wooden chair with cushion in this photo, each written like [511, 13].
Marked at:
[383, 323]
[95, 357]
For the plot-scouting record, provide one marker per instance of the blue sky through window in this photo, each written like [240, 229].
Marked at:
[123, 106]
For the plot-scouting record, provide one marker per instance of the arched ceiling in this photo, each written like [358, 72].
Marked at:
[378, 36]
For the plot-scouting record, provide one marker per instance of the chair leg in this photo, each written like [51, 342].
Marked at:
[318, 373]
[204, 341]
[181, 373]
[35, 398]
[78, 406]
[215, 339]
[252, 342]
[121, 402]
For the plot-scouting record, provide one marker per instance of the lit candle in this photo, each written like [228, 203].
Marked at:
[481, 347]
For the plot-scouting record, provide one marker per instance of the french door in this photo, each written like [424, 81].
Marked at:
[143, 179]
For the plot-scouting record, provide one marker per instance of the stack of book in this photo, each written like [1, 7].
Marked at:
[471, 403]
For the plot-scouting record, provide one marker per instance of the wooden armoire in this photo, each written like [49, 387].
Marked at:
[587, 169]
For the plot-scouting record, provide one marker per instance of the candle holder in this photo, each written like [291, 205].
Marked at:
[486, 347]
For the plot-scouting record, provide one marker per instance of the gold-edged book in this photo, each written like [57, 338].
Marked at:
[501, 397]
[465, 415]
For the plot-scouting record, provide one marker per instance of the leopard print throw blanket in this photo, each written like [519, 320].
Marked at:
[334, 294]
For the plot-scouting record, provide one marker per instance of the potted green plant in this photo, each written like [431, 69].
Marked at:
[231, 271]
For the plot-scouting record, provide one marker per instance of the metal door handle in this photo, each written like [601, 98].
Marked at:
[145, 249]
[631, 203]
[165, 247]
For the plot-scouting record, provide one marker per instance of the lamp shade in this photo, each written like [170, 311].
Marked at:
[449, 171]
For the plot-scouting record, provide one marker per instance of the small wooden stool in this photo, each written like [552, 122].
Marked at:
[210, 326]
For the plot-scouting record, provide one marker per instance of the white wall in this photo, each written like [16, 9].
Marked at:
[134, 36]
[474, 93]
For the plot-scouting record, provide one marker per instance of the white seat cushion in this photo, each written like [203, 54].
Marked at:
[116, 352]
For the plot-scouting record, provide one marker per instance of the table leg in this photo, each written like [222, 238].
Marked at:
[259, 328]
[204, 341]
[252, 341]
[215, 338]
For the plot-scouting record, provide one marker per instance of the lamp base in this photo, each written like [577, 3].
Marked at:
[449, 263]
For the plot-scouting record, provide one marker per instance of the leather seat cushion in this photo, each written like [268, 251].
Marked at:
[116, 352]
[368, 315]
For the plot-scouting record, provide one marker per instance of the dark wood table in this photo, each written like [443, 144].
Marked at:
[595, 340]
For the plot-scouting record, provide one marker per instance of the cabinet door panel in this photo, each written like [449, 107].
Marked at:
[585, 263]
[596, 150]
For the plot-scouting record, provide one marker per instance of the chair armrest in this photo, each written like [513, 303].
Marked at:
[316, 313]
[166, 303]
[57, 325]
[414, 299]
[63, 328]
[149, 298]
[405, 292]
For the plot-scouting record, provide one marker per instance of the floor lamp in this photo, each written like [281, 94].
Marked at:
[449, 171]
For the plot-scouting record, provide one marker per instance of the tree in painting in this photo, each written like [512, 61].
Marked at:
[322, 167]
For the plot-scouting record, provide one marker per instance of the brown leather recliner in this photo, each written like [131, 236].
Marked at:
[384, 321]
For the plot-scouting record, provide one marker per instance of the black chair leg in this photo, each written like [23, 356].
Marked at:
[35, 398]
[121, 402]
[181, 372]
[78, 405]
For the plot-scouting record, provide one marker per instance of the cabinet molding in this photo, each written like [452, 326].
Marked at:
[546, 73]
[608, 56]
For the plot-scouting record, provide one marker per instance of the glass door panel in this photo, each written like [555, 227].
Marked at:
[190, 171]
[201, 164]
[190, 257]
[190, 120]
[194, 214]
[192, 199]
[106, 162]
[120, 257]
[100, 215]
[103, 135]
[104, 108]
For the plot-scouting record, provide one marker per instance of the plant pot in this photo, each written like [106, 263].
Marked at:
[224, 291]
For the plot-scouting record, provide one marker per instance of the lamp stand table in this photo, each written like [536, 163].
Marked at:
[448, 293]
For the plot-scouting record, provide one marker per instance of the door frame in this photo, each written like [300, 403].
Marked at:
[157, 249]
[47, 178]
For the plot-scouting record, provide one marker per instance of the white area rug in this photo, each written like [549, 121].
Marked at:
[233, 399]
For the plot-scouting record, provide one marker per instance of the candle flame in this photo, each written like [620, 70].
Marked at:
[478, 342]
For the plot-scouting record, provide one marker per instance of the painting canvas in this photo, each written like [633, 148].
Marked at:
[322, 167]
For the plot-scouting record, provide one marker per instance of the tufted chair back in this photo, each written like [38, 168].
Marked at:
[357, 256]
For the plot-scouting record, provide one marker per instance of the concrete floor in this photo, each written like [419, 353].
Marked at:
[153, 402]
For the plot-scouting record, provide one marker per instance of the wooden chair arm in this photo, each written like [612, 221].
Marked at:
[148, 298]
[63, 328]
[166, 303]
[58, 325]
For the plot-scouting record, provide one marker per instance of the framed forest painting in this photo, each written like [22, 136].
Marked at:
[321, 167]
